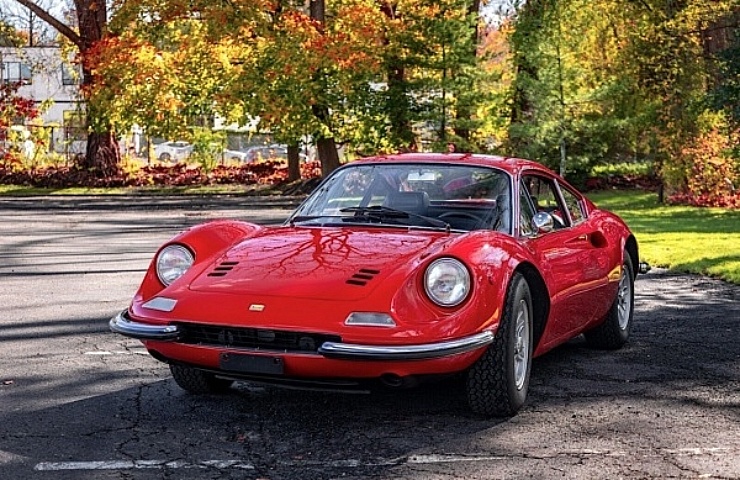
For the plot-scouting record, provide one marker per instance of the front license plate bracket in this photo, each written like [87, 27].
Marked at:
[245, 363]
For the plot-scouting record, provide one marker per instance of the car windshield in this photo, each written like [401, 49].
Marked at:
[453, 197]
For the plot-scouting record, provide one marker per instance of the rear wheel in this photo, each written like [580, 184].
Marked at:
[498, 382]
[198, 381]
[615, 330]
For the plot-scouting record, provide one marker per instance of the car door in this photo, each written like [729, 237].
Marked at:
[573, 261]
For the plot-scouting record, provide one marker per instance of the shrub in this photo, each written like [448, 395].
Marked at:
[178, 175]
[709, 168]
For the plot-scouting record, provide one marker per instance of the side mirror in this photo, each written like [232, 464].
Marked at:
[543, 222]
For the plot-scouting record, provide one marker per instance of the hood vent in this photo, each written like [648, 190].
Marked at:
[362, 277]
[222, 269]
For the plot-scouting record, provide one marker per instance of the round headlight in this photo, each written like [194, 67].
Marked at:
[172, 263]
[447, 282]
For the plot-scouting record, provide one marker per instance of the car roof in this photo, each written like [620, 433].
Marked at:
[511, 165]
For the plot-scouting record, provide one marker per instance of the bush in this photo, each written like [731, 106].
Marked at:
[178, 175]
[708, 167]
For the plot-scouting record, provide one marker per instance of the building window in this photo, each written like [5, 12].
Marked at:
[13, 72]
[70, 74]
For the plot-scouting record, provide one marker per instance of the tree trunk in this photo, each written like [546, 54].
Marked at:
[102, 154]
[465, 105]
[327, 149]
[294, 162]
[397, 99]
[398, 105]
[521, 104]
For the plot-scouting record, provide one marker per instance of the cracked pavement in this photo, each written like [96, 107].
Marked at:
[77, 402]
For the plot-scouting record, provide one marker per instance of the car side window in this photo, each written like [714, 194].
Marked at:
[573, 204]
[544, 195]
[526, 212]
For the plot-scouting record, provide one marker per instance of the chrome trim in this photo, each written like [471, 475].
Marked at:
[348, 351]
[122, 324]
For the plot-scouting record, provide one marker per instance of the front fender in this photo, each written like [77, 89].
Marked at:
[205, 241]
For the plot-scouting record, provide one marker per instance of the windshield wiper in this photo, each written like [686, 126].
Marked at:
[380, 212]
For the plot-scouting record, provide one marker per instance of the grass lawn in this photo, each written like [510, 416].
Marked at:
[687, 239]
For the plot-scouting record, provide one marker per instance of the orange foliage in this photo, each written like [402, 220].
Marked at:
[711, 173]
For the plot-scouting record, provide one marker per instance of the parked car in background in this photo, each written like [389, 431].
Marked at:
[266, 153]
[234, 155]
[172, 151]
[270, 153]
[395, 270]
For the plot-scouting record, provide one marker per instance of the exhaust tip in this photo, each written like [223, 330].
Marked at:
[391, 380]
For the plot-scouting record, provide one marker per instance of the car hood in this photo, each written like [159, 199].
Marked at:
[316, 263]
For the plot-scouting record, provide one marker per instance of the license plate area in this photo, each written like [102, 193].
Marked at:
[246, 363]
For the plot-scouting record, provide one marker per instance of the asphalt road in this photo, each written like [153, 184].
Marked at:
[78, 402]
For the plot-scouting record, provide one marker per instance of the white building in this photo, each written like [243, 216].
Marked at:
[46, 77]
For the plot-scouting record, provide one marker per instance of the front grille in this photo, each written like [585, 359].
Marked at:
[254, 338]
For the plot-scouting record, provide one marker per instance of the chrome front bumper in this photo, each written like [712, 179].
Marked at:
[344, 351]
[351, 351]
[142, 331]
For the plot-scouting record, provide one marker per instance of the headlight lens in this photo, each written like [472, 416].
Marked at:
[447, 282]
[172, 263]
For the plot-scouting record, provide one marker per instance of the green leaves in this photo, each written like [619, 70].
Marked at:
[365, 75]
[615, 80]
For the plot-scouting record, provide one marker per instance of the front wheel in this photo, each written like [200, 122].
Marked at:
[197, 381]
[615, 329]
[498, 382]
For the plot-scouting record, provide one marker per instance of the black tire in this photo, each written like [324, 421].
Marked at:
[164, 157]
[498, 382]
[197, 381]
[614, 331]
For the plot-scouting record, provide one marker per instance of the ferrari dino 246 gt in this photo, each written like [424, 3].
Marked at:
[396, 269]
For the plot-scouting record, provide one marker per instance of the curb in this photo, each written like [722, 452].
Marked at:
[146, 202]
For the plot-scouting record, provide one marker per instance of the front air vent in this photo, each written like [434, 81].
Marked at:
[362, 277]
[222, 269]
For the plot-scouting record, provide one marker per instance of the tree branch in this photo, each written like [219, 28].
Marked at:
[63, 29]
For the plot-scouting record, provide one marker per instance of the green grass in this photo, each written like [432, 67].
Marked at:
[705, 241]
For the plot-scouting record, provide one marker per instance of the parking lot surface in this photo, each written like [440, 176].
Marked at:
[78, 402]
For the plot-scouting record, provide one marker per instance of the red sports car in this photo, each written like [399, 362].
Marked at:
[396, 269]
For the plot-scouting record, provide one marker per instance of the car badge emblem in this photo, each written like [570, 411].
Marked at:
[256, 307]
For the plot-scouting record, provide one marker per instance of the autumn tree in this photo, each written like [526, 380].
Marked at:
[167, 64]
[102, 154]
[674, 72]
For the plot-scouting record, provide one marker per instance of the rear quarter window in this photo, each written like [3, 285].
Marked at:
[574, 206]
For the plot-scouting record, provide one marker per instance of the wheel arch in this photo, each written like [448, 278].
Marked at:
[630, 247]
[540, 299]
